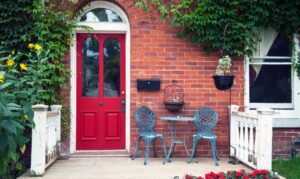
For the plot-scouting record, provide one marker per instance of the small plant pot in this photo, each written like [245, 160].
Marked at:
[223, 82]
[174, 106]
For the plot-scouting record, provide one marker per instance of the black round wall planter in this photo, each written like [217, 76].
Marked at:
[173, 106]
[223, 82]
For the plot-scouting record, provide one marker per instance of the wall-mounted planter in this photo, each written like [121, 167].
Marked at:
[223, 82]
[148, 84]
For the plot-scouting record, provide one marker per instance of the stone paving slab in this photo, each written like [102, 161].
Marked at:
[125, 168]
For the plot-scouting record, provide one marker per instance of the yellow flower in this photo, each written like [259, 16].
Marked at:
[9, 62]
[25, 117]
[23, 66]
[1, 78]
[30, 46]
[37, 47]
[23, 149]
[13, 52]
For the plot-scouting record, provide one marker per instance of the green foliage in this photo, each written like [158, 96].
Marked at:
[20, 88]
[43, 75]
[288, 168]
[54, 28]
[15, 22]
[27, 21]
[231, 26]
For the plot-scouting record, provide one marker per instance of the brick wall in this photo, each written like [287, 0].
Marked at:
[156, 52]
[282, 141]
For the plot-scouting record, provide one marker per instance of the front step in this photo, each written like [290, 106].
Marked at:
[99, 153]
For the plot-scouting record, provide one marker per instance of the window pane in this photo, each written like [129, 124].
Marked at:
[101, 15]
[111, 67]
[272, 84]
[90, 67]
[280, 47]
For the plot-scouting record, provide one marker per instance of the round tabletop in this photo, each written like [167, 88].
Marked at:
[176, 118]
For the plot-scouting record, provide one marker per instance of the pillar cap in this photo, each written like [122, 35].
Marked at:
[39, 107]
[55, 107]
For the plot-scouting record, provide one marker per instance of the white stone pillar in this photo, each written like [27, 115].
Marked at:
[233, 111]
[38, 145]
[57, 108]
[264, 138]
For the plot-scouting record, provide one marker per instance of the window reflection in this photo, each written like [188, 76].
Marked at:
[101, 15]
[111, 54]
[90, 67]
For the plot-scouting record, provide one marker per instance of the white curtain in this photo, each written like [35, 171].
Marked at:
[267, 37]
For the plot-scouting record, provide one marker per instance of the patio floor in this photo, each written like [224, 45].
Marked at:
[125, 168]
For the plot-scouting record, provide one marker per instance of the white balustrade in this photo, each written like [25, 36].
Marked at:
[45, 138]
[251, 137]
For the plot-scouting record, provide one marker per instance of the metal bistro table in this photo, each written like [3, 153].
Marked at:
[172, 128]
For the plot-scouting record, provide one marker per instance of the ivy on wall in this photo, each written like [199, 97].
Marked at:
[228, 26]
[40, 21]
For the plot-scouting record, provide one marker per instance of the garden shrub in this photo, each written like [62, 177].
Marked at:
[21, 86]
[35, 36]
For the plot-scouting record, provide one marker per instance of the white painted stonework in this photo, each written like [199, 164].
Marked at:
[101, 27]
[251, 136]
[38, 147]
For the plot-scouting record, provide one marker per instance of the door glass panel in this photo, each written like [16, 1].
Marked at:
[111, 54]
[90, 67]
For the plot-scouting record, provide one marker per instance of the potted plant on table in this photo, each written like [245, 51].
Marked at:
[223, 78]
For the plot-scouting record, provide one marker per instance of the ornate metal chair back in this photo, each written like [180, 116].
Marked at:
[145, 119]
[206, 119]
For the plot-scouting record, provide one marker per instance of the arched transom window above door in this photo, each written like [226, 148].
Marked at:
[101, 15]
[102, 11]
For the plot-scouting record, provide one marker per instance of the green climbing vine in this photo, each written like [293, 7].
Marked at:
[204, 22]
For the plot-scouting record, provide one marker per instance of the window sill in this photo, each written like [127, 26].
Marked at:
[286, 123]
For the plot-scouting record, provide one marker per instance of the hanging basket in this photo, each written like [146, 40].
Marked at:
[223, 82]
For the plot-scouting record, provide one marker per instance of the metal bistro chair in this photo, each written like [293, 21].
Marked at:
[145, 120]
[205, 120]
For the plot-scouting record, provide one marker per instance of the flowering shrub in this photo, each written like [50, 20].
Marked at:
[21, 84]
[224, 66]
[256, 174]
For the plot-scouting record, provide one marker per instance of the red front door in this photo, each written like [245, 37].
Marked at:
[100, 91]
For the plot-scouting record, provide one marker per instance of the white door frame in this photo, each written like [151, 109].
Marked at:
[100, 27]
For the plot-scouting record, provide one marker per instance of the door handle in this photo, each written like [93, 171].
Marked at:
[101, 104]
[123, 105]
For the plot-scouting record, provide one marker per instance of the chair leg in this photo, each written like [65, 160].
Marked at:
[164, 146]
[147, 141]
[195, 141]
[196, 149]
[154, 147]
[218, 159]
[214, 150]
[136, 148]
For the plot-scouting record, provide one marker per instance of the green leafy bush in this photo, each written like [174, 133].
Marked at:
[21, 86]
